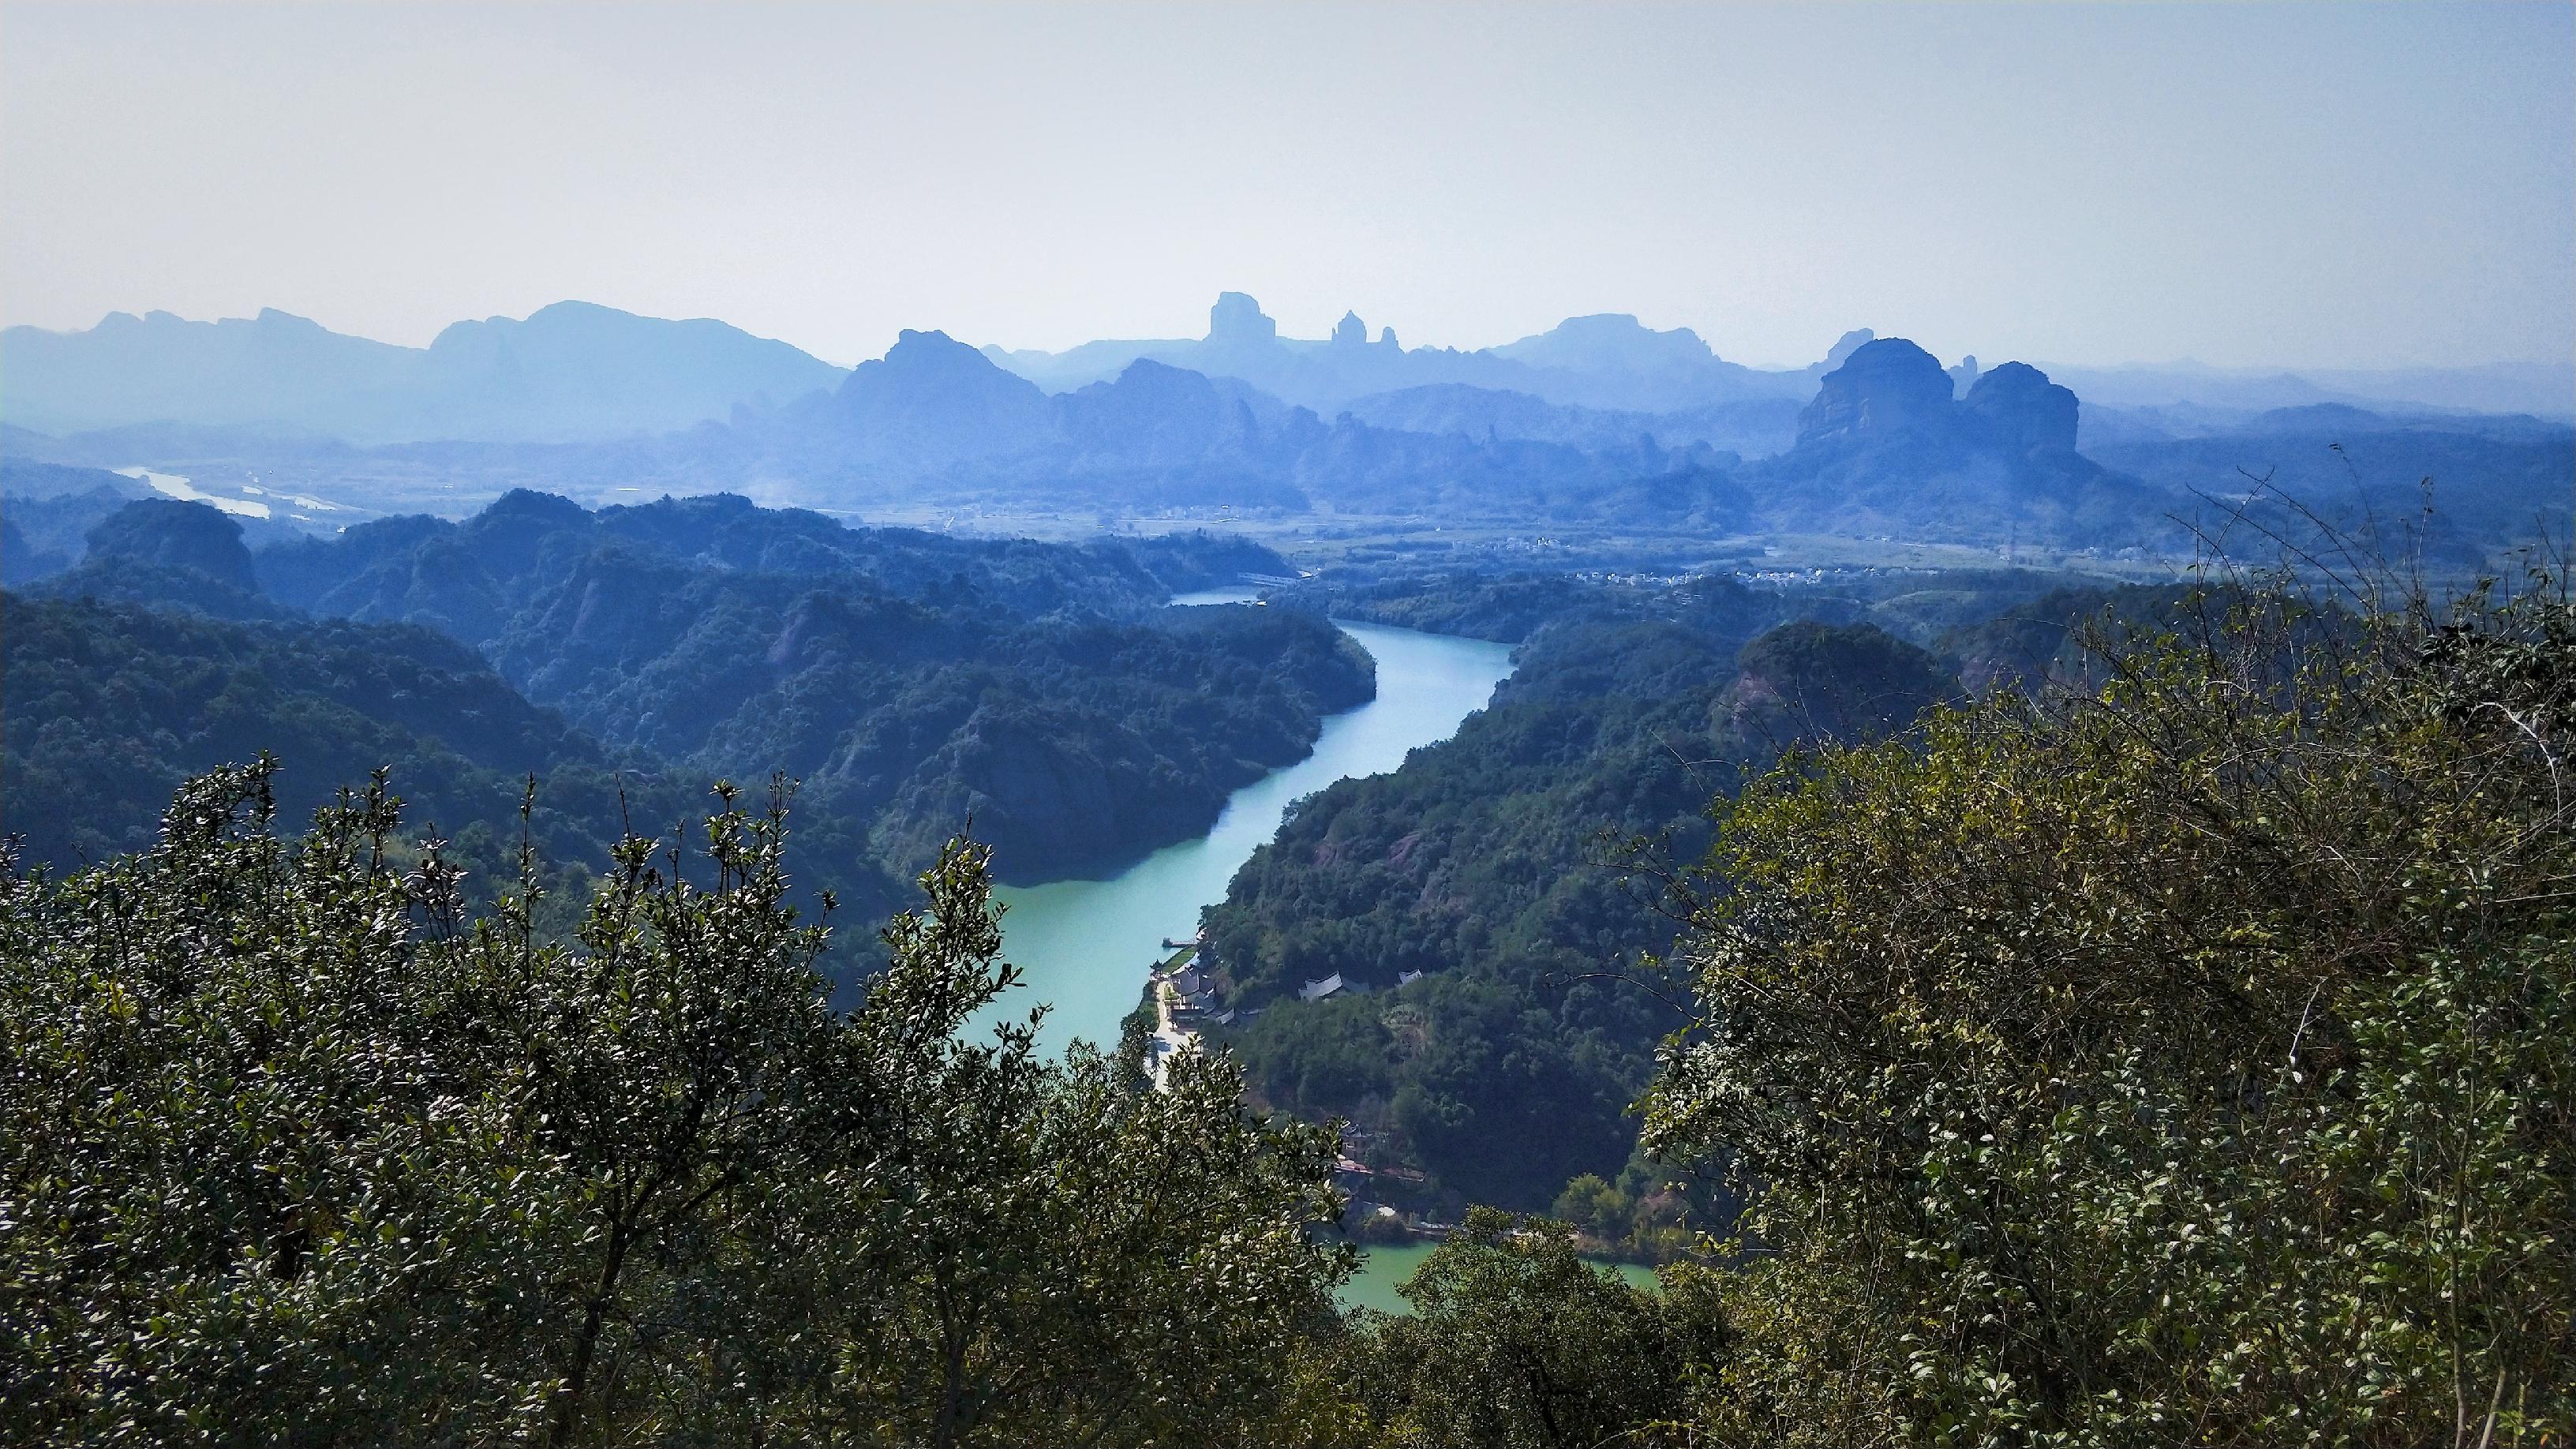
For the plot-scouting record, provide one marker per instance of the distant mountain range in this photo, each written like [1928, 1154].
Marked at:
[1608, 361]
[569, 372]
[576, 372]
[1599, 422]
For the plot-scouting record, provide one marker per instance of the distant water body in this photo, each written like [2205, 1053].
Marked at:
[1085, 946]
[1384, 1269]
[173, 486]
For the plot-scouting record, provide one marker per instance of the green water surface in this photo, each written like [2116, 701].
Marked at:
[1381, 1269]
[1086, 945]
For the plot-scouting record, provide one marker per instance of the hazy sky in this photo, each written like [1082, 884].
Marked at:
[2305, 185]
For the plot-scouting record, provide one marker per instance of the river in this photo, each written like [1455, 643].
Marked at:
[1085, 946]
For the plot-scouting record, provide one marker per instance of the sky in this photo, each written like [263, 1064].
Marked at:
[2247, 185]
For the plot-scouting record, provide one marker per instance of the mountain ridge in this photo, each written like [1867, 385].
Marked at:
[569, 371]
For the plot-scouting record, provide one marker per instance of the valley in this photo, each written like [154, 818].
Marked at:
[1650, 725]
[931, 590]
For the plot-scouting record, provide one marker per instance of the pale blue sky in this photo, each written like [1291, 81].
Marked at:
[2306, 185]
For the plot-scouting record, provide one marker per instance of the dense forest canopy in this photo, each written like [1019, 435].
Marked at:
[2187, 1049]
[1498, 869]
[2182, 1046]
[296, 1152]
[1485, 867]
[910, 680]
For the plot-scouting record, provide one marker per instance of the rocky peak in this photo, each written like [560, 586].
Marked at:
[1885, 385]
[1611, 342]
[1849, 343]
[934, 367]
[940, 395]
[1386, 338]
[1964, 376]
[917, 352]
[1151, 412]
[1350, 331]
[2022, 411]
[1237, 319]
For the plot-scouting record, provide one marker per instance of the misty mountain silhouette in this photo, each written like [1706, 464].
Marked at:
[568, 372]
[1607, 361]
[1888, 446]
[1599, 419]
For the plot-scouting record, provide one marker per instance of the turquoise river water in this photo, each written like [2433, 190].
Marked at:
[1086, 946]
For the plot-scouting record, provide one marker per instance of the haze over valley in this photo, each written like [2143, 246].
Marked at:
[1596, 428]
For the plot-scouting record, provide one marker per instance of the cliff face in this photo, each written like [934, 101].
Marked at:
[1891, 388]
[2019, 410]
[1885, 387]
[1887, 446]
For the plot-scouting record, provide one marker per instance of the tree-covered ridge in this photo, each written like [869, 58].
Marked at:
[2179, 1057]
[913, 681]
[472, 576]
[909, 679]
[298, 1151]
[1485, 864]
[112, 707]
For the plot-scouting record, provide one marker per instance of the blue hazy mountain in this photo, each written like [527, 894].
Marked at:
[1878, 439]
[571, 371]
[1752, 427]
[2541, 389]
[1608, 361]
[274, 369]
[1611, 360]
[1889, 446]
[932, 400]
[935, 417]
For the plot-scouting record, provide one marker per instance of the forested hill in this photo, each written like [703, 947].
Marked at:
[2227, 1008]
[468, 578]
[112, 706]
[1508, 1066]
[909, 680]
[1496, 865]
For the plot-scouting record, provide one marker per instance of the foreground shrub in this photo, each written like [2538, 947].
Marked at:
[293, 1152]
[1517, 1343]
[2180, 1058]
